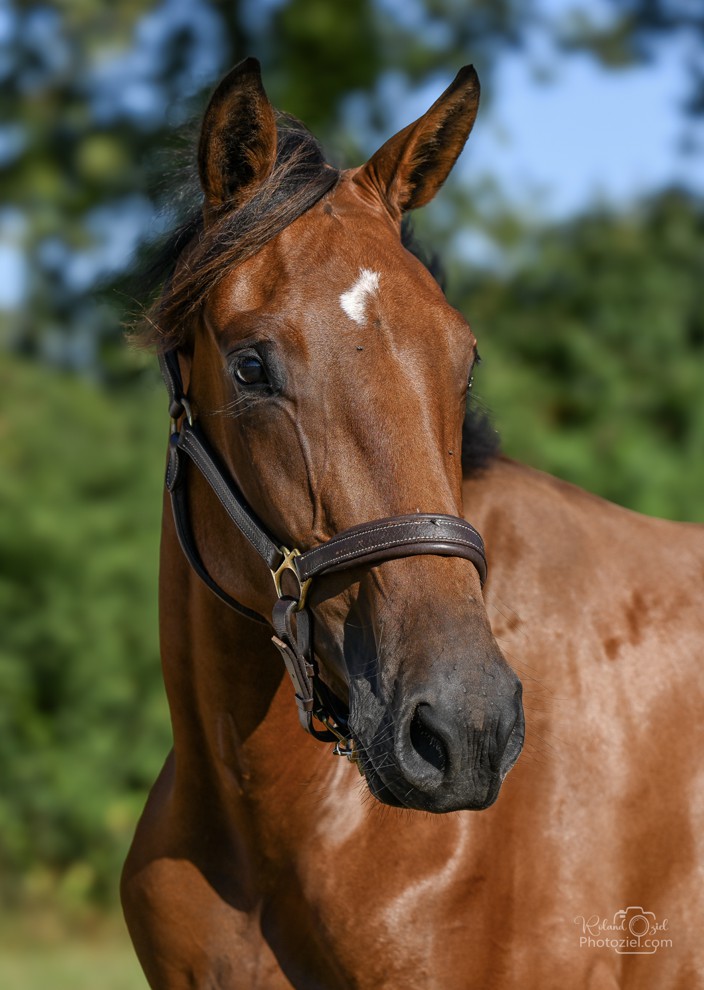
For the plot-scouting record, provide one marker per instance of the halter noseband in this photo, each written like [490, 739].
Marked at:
[369, 543]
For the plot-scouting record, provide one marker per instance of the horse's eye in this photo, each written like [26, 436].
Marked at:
[249, 370]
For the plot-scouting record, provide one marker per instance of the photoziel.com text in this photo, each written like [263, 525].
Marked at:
[633, 931]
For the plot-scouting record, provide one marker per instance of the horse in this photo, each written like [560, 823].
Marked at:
[317, 384]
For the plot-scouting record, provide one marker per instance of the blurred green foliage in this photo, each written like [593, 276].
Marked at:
[83, 725]
[591, 333]
[594, 353]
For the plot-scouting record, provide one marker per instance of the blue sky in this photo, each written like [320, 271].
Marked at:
[587, 134]
[558, 132]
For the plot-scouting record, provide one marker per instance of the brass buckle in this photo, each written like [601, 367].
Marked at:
[287, 564]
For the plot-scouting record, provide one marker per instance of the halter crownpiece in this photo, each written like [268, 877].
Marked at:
[366, 544]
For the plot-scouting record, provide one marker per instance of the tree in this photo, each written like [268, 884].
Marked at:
[93, 93]
[593, 339]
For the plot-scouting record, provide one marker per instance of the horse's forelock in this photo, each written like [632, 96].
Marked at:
[192, 257]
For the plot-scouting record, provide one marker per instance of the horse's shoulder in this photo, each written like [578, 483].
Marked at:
[562, 557]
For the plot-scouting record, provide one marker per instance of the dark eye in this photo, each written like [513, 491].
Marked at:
[249, 370]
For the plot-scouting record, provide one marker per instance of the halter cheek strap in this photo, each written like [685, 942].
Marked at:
[367, 544]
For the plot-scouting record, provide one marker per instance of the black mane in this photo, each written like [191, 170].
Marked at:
[481, 442]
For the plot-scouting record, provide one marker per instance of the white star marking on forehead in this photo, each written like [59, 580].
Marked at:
[354, 300]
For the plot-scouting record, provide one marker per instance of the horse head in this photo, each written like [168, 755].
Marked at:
[330, 374]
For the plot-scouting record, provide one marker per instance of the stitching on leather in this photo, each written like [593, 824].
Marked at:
[390, 543]
[229, 503]
[190, 550]
[171, 470]
[396, 525]
[317, 551]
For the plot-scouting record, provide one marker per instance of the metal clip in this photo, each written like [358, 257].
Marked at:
[346, 749]
[287, 564]
[345, 746]
[185, 406]
[350, 751]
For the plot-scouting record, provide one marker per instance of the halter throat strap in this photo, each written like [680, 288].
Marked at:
[363, 545]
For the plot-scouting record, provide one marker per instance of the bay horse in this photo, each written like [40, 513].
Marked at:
[317, 382]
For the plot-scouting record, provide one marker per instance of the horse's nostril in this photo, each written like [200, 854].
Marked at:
[426, 743]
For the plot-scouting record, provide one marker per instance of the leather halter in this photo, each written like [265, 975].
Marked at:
[368, 544]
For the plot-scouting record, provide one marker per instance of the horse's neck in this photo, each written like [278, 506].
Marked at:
[232, 709]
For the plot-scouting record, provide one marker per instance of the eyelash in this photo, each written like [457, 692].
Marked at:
[475, 364]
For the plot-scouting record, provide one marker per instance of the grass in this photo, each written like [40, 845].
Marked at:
[98, 959]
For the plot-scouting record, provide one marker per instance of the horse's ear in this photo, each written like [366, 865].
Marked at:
[410, 168]
[237, 146]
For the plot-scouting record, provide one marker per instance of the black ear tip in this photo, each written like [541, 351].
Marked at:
[246, 75]
[467, 76]
[248, 66]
